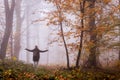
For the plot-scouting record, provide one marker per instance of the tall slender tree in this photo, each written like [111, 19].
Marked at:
[57, 18]
[9, 11]
[28, 30]
[17, 37]
[82, 10]
[62, 32]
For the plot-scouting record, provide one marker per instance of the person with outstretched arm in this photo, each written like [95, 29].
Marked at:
[36, 54]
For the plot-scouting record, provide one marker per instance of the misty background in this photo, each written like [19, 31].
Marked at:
[35, 31]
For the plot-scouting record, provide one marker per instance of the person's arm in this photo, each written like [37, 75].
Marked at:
[43, 50]
[29, 50]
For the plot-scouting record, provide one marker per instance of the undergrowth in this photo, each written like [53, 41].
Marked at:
[17, 70]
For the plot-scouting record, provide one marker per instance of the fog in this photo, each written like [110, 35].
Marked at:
[35, 31]
[39, 34]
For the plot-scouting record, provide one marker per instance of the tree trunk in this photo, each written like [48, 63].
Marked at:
[67, 54]
[82, 5]
[119, 33]
[11, 44]
[9, 10]
[62, 34]
[28, 32]
[92, 57]
[17, 38]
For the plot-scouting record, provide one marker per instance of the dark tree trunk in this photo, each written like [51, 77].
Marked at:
[119, 33]
[65, 45]
[92, 57]
[17, 38]
[67, 54]
[82, 5]
[62, 34]
[9, 10]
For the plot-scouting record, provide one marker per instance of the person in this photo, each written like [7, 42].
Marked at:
[36, 54]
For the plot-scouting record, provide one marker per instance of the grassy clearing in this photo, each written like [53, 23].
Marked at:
[16, 70]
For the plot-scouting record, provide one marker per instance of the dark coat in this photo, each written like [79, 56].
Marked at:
[36, 55]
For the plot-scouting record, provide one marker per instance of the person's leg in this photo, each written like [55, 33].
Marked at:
[34, 64]
[37, 63]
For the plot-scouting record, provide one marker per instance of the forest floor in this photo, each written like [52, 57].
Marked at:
[17, 70]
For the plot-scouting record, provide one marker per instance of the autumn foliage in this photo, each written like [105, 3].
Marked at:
[91, 23]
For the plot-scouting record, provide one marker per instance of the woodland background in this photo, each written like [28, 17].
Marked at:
[77, 33]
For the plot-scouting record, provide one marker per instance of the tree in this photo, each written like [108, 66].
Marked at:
[9, 11]
[95, 22]
[119, 33]
[17, 37]
[102, 28]
[58, 19]
[28, 31]
[92, 27]
[62, 35]
[82, 10]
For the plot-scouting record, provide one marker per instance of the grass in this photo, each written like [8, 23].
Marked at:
[17, 70]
